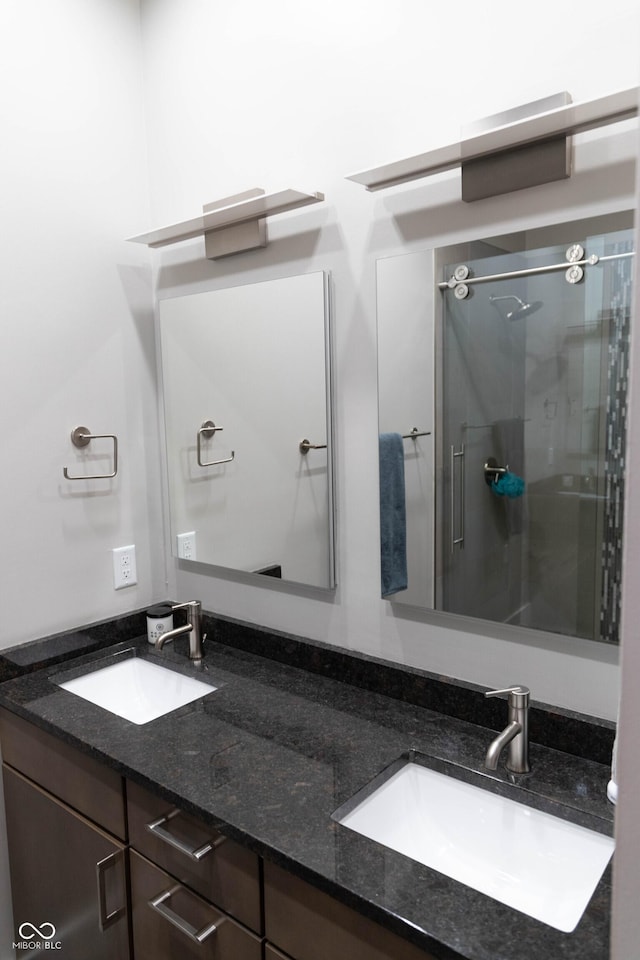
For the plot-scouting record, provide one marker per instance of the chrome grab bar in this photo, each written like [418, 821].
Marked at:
[457, 454]
[199, 936]
[194, 853]
[80, 437]
[208, 429]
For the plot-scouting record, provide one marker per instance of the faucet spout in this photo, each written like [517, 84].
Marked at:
[193, 627]
[171, 635]
[497, 746]
[516, 733]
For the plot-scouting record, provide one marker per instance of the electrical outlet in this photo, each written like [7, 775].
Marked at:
[187, 545]
[124, 567]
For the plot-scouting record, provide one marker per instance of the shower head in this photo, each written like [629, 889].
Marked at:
[525, 310]
[522, 310]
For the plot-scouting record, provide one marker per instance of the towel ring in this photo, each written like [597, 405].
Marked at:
[80, 437]
[208, 429]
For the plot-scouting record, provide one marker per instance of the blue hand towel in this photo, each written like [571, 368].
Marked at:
[508, 485]
[393, 519]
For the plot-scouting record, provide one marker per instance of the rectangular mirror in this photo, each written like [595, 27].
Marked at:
[247, 407]
[511, 355]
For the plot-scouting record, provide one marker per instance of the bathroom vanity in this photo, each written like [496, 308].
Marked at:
[214, 833]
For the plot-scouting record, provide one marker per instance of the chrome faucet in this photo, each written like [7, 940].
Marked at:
[193, 627]
[516, 733]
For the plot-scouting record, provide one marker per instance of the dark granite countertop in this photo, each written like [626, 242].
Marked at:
[268, 757]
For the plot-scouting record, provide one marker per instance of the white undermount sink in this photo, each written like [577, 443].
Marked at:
[138, 690]
[532, 861]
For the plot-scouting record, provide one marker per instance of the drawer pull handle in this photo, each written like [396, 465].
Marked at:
[157, 828]
[106, 919]
[199, 936]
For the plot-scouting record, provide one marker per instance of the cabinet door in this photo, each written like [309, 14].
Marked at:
[310, 925]
[170, 921]
[67, 876]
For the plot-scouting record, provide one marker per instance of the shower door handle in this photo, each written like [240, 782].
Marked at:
[459, 540]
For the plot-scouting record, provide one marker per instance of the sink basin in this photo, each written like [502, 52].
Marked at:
[137, 689]
[530, 860]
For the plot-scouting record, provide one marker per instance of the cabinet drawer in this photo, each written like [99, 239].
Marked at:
[85, 784]
[169, 920]
[310, 925]
[197, 855]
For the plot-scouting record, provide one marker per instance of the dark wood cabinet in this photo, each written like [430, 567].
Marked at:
[197, 856]
[307, 924]
[170, 920]
[69, 879]
[85, 784]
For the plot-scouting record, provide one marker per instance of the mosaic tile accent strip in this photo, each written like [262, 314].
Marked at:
[619, 321]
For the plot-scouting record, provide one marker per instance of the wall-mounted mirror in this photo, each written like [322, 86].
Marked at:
[510, 355]
[247, 405]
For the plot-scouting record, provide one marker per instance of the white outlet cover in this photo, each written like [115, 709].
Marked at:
[186, 545]
[125, 573]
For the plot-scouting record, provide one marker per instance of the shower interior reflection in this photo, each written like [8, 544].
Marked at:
[534, 379]
[514, 501]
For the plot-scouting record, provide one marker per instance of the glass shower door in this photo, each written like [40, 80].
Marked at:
[533, 410]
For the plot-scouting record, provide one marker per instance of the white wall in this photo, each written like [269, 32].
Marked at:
[77, 328]
[274, 95]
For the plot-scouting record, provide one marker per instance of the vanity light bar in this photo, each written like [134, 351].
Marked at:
[561, 121]
[255, 206]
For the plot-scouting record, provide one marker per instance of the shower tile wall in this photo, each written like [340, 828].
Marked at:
[561, 351]
[618, 320]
